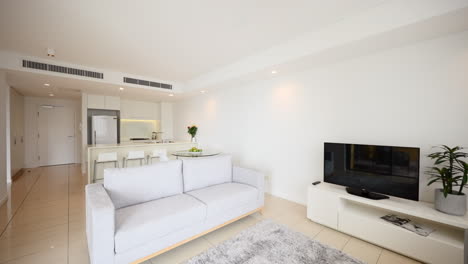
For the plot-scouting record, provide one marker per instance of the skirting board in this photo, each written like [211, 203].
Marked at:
[196, 236]
[3, 200]
[18, 174]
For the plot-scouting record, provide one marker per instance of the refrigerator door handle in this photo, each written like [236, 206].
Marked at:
[94, 137]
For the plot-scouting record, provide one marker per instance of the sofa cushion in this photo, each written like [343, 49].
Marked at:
[129, 186]
[226, 196]
[203, 172]
[135, 225]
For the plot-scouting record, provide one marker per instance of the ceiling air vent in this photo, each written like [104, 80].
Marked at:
[147, 83]
[61, 69]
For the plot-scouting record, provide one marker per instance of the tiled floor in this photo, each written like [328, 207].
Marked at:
[44, 222]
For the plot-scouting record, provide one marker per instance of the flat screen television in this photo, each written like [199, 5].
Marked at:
[369, 168]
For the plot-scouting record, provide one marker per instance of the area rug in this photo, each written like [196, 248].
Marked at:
[270, 243]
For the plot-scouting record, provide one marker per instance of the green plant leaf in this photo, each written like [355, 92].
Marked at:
[433, 181]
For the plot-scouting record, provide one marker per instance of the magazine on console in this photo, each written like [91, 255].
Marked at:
[408, 224]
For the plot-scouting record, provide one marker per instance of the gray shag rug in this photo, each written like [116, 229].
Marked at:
[268, 242]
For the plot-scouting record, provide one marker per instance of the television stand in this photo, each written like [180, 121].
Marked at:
[332, 206]
[366, 194]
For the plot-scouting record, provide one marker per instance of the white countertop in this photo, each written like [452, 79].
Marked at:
[136, 144]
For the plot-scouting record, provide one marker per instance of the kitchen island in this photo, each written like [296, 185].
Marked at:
[122, 150]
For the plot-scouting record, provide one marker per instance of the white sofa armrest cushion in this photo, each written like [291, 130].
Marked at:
[252, 178]
[130, 186]
[204, 172]
[100, 224]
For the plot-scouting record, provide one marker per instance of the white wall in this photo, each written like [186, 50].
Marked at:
[84, 132]
[31, 105]
[411, 96]
[16, 131]
[4, 136]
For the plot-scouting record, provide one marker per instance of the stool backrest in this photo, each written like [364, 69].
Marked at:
[161, 154]
[136, 154]
[107, 156]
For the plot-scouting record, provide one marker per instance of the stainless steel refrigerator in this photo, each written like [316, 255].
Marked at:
[104, 129]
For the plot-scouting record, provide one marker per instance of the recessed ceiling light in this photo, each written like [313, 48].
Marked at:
[171, 94]
[51, 94]
[274, 72]
[121, 88]
[202, 91]
[46, 84]
[50, 52]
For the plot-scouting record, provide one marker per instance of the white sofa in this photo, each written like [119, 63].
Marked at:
[140, 212]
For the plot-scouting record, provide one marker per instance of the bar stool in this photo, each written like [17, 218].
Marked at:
[105, 158]
[157, 153]
[134, 155]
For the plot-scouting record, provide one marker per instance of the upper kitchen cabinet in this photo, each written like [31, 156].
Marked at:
[112, 102]
[130, 109]
[103, 102]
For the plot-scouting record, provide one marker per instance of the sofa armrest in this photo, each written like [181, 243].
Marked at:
[252, 178]
[100, 224]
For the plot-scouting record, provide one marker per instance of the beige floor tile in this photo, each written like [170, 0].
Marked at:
[291, 216]
[183, 252]
[258, 216]
[15, 250]
[230, 230]
[57, 255]
[17, 194]
[363, 251]
[307, 227]
[389, 257]
[332, 238]
[31, 235]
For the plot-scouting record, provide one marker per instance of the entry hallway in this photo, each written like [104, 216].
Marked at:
[44, 222]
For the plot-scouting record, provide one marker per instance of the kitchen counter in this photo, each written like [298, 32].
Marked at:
[136, 144]
[122, 150]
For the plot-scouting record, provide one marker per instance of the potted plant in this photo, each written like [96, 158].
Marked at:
[192, 130]
[451, 170]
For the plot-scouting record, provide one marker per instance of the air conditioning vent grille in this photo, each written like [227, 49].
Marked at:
[147, 83]
[62, 69]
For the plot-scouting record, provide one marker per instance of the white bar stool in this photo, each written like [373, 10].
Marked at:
[157, 153]
[105, 158]
[134, 155]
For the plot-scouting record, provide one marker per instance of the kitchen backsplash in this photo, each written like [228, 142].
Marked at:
[133, 128]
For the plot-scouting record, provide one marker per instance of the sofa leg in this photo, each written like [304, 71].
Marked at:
[261, 211]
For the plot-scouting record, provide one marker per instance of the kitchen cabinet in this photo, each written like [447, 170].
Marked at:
[96, 101]
[112, 102]
[103, 102]
[130, 109]
[167, 125]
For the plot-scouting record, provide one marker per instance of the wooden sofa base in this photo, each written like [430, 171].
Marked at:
[196, 236]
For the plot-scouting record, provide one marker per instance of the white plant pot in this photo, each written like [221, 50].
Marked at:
[452, 204]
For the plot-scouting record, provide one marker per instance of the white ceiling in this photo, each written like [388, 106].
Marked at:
[202, 44]
[174, 40]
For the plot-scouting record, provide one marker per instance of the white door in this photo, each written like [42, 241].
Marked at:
[56, 136]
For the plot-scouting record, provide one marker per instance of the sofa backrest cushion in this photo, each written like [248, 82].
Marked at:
[129, 186]
[203, 172]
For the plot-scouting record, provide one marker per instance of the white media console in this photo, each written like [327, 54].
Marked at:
[332, 206]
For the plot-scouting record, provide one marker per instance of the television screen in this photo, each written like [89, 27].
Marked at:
[382, 169]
